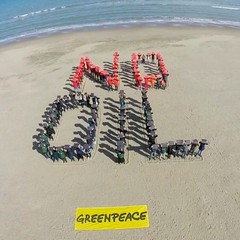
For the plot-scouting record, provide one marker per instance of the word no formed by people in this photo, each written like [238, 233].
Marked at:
[111, 218]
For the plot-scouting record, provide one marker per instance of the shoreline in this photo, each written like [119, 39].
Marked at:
[114, 27]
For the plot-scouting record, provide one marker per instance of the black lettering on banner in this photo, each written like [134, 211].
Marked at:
[100, 218]
[80, 218]
[128, 217]
[114, 216]
[135, 218]
[143, 215]
[87, 218]
[121, 217]
[94, 218]
[107, 218]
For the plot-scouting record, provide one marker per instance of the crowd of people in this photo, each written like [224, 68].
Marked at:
[113, 78]
[78, 76]
[162, 68]
[76, 99]
[95, 72]
[157, 81]
[122, 131]
[179, 148]
[150, 127]
[111, 81]
[52, 120]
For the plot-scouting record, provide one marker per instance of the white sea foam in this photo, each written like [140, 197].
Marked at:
[176, 21]
[24, 15]
[38, 12]
[226, 7]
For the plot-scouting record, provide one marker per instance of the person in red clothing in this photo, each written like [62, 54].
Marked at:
[146, 82]
[152, 80]
[75, 85]
[88, 63]
[162, 84]
[109, 82]
[116, 83]
[97, 70]
[165, 76]
[139, 81]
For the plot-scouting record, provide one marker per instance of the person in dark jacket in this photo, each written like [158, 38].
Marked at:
[54, 155]
[69, 152]
[154, 148]
[87, 150]
[78, 149]
[201, 148]
[61, 154]
[45, 150]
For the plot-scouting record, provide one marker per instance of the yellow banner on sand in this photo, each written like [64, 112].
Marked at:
[107, 218]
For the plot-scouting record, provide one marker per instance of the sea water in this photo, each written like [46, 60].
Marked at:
[21, 19]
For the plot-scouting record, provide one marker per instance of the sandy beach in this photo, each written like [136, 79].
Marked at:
[187, 199]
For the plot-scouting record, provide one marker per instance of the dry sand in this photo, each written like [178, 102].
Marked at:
[186, 199]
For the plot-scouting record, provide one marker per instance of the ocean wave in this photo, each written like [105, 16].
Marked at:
[25, 15]
[227, 8]
[175, 21]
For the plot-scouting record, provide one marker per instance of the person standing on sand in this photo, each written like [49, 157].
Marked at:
[81, 99]
[185, 150]
[109, 82]
[152, 80]
[194, 144]
[201, 148]
[77, 148]
[61, 154]
[153, 57]
[139, 57]
[143, 58]
[148, 57]
[122, 137]
[87, 150]
[120, 151]
[44, 150]
[87, 99]
[48, 131]
[163, 84]
[122, 98]
[146, 83]
[120, 156]
[54, 155]
[139, 82]
[69, 152]
[43, 138]
[51, 127]
[163, 150]
[94, 116]
[154, 148]
[115, 83]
